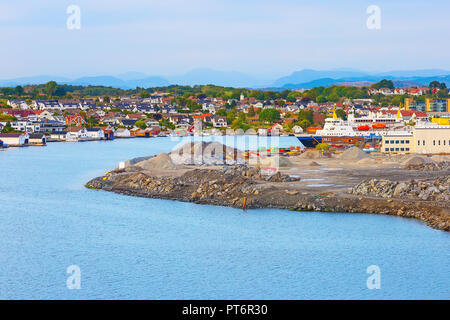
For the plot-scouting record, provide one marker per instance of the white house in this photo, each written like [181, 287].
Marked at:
[76, 134]
[219, 122]
[122, 133]
[18, 104]
[297, 130]
[95, 133]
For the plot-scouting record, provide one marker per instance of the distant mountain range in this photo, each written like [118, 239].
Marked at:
[307, 79]
[303, 79]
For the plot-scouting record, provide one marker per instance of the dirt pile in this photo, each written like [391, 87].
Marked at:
[161, 161]
[353, 153]
[206, 153]
[416, 160]
[275, 162]
[310, 154]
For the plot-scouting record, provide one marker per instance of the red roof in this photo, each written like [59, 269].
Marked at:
[407, 113]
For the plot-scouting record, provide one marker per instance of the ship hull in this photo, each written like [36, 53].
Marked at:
[310, 141]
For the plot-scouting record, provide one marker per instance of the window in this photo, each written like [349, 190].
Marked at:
[407, 141]
[418, 142]
[434, 142]
[402, 149]
[396, 141]
[386, 149]
[396, 149]
[387, 141]
[392, 149]
[423, 142]
[439, 142]
[407, 149]
[402, 141]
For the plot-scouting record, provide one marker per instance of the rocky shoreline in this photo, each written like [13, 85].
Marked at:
[426, 200]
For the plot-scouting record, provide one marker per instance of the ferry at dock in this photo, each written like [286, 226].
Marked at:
[354, 131]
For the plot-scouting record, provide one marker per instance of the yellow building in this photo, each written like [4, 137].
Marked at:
[397, 143]
[441, 121]
[432, 139]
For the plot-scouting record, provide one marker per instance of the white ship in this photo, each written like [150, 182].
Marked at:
[373, 125]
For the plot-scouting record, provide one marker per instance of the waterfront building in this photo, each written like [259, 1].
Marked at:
[15, 139]
[95, 133]
[400, 142]
[37, 139]
[57, 135]
[76, 134]
[432, 139]
[425, 139]
[122, 133]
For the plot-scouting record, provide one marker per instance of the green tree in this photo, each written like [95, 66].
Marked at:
[251, 112]
[231, 115]
[384, 84]
[321, 99]
[240, 123]
[304, 124]
[7, 128]
[341, 114]
[322, 147]
[221, 112]
[50, 88]
[144, 94]
[306, 115]
[19, 90]
[269, 115]
[140, 124]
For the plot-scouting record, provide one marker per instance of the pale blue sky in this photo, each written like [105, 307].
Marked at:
[270, 38]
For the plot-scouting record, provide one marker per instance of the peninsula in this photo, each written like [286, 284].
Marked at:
[402, 185]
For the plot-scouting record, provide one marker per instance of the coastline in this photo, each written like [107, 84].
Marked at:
[233, 185]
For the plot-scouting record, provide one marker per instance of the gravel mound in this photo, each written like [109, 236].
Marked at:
[161, 161]
[310, 154]
[275, 162]
[366, 161]
[313, 164]
[415, 160]
[353, 153]
[208, 153]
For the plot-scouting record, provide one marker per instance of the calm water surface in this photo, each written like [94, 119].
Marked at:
[136, 248]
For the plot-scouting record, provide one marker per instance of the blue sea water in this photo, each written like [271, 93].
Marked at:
[137, 248]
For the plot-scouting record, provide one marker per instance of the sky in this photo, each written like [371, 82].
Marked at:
[257, 37]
